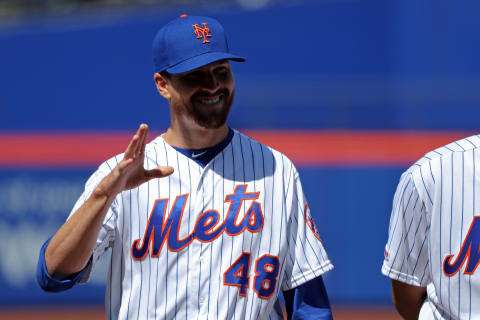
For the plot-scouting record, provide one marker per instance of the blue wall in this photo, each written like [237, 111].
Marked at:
[369, 64]
[345, 64]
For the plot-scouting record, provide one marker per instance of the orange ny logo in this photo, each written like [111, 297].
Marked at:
[202, 32]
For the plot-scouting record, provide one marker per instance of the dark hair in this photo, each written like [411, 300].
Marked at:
[165, 74]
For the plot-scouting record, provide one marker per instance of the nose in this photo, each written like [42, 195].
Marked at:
[211, 82]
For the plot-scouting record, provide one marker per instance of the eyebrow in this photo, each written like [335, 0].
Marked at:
[220, 62]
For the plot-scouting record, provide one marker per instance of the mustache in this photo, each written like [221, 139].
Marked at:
[204, 94]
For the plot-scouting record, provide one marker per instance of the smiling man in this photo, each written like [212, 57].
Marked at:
[203, 222]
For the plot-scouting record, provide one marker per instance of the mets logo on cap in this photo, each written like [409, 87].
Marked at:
[202, 32]
[311, 223]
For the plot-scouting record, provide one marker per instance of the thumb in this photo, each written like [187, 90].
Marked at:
[159, 172]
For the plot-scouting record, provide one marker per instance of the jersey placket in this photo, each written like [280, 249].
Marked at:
[200, 252]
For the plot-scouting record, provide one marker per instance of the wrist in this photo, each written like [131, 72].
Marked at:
[100, 193]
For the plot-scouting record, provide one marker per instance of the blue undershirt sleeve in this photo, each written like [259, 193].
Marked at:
[308, 301]
[50, 284]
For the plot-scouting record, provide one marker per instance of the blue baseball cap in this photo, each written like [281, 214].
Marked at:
[188, 43]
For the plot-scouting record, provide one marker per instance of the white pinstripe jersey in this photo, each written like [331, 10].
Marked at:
[217, 242]
[432, 226]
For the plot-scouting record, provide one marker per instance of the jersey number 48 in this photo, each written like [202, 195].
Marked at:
[265, 280]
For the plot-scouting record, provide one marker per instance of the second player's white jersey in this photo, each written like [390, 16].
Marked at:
[217, 242]
[434, 233]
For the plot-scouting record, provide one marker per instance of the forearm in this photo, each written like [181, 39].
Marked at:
[71, 247]
[408, 299]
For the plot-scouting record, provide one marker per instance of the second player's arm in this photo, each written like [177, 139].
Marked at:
[71, 247]
[408, 299]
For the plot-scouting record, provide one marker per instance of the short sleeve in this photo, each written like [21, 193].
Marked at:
[107, 231]
[306, 258]
[406, 251]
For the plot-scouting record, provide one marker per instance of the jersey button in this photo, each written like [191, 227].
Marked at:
[201, 300]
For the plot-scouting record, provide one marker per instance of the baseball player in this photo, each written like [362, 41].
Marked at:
[432, 251]
[203, 222]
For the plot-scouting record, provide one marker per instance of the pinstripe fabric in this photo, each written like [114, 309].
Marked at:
[433, 210]
[191, 283]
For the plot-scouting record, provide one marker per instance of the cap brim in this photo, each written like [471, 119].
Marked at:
[202, 60]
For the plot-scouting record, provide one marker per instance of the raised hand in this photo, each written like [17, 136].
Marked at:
[71, 247]
[130, 173]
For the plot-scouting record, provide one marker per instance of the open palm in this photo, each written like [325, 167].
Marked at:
[130, 172]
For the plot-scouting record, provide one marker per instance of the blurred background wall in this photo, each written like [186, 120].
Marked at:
[354, 91]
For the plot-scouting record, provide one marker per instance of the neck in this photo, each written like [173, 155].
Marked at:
[193, 136]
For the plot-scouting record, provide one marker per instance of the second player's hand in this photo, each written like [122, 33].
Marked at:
[130, 172]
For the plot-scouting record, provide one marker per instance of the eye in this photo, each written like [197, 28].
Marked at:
[222, 70]
[192, 76]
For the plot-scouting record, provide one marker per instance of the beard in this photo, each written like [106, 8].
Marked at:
[210, 116]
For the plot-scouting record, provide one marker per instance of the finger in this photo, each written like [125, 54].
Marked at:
[159, 172]
[124, 164]
[144, 144]
[142, 130]
[132, 146]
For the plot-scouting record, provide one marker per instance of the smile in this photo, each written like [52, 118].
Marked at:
[210, 101]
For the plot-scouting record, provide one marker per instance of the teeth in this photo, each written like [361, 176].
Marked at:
[212, 101]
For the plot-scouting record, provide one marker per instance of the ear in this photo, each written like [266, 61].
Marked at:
[162, 85]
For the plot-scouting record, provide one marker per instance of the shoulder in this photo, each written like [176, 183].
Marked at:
[155, 144]
[268, 153]
[435, 156]
[428, 172]
[156, 147]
